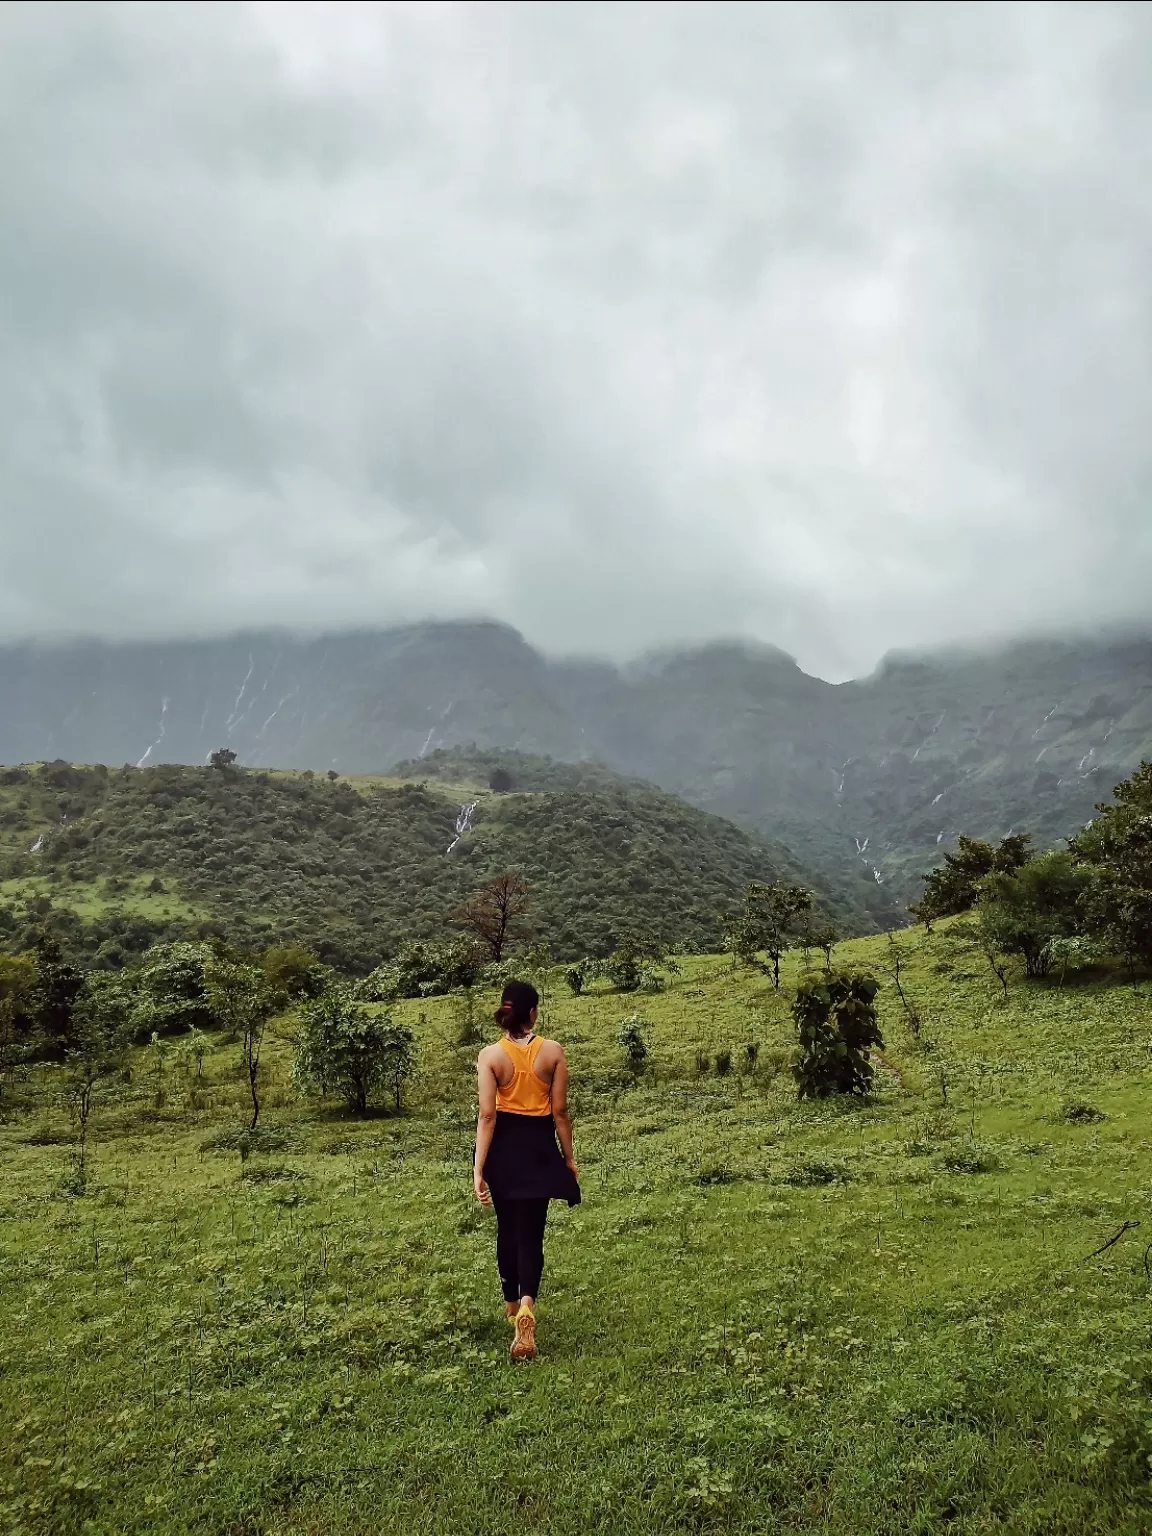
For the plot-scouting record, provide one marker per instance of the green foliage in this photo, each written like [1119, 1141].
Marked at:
[170, 990]
[630, 1038]
[96, 1051]
[423, 969]
[1080, 1112]
[1116, 848]
[772, 917]
[348, 1049]
[1025, 911]
[294, 971]
[578, 975]
[242, 1002]
[638, 964]
[58, 985]
[17, 1010]
[350, 870]
[835, 1018]
[955, 885]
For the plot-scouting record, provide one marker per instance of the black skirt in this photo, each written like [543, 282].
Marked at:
[525, 1162]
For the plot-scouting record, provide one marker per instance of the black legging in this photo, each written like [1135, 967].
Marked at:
[520, 1245]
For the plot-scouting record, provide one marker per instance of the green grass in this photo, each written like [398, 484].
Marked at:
[765, 1316]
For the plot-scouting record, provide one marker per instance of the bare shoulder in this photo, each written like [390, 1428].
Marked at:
[552, 1048]
[487, 1055]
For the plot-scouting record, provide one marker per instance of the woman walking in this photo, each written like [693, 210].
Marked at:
[522, 1086]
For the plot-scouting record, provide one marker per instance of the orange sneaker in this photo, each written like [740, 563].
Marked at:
[524, 1344]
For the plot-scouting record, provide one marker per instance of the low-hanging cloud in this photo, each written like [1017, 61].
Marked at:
[628, 324]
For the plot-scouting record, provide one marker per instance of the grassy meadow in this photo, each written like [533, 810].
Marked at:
[765, 1317]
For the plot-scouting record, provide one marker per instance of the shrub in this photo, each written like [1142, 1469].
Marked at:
[723, 1063]
[1077, 1112]
[468, 1030]
[576, 976]
[815, 1172]
[294, 970]
[716, 1173]
[172, 991]
[347, 1049]
[630, 1037]
[970, 1159]
[836, 1019]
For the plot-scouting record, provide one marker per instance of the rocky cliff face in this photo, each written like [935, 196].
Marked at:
[874, 776]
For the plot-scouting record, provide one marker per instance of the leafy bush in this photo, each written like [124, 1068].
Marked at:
[1077, 1112]
[815, 1172]
[723, 1063]
[972, 1158]
[630, 1037]
[835, 1017]
[716, 1173]
[1116, 850]
[1025, 912]
[171, 991]
[347, 1049]
[294, 970]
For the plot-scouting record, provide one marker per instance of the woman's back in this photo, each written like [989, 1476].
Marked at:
[528, 1089]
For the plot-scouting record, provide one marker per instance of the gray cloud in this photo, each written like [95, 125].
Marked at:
[825, 324]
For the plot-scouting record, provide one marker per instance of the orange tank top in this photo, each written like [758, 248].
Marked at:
[525, 1094]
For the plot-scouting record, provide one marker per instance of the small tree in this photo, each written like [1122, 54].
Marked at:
[1116, 849]
[630, 1038]
[294, 971]
[18, 979]
[769, 921]
[58, 985]
[496, 913]
[346, 1048]
[1021, 912]
[500, 781]
[954, 886]
[243, 1002]
[835, 1017]
[171, 989]
[223, 760]
[824, 937]
[468, 1030]
[95, 1054]
[982, 939]
[893, 965]
[577, 976]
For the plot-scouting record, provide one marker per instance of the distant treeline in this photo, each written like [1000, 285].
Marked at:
[113, 861]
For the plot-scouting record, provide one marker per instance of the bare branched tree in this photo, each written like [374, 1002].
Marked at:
[496, 912]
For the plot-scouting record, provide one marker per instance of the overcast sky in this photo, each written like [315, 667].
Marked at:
[825, 324]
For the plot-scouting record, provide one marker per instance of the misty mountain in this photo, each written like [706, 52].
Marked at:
[866, 781]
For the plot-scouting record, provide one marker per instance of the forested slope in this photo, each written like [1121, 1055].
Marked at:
[116, 859]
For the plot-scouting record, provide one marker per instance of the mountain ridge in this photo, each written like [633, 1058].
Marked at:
[867, 777]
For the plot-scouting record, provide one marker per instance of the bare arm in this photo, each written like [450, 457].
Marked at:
[560, 1111]
[485, 1125]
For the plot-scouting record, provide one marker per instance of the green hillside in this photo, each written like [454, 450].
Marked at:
[766, 1315]
[117, 859]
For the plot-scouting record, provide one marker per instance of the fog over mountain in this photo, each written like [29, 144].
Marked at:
[629, 325]
[867, 782]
